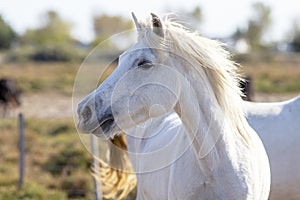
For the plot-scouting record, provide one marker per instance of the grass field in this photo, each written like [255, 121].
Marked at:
[45, 77]
[57, 164]
[274, 76]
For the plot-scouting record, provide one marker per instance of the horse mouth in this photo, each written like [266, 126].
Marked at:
[107, 123]
[101, 128]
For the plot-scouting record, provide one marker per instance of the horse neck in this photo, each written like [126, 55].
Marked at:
[144, 144]
[205, 122]
[143, 132]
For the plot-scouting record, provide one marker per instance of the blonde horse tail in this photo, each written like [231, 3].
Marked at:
[115, 182]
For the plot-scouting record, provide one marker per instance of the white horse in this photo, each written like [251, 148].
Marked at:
[215, 154]
[278, 126]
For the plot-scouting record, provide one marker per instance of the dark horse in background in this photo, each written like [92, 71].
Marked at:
[10, 95]
[246, 87]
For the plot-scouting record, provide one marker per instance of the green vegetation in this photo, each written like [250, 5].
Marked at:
[7, 34]
[31, 191]
[256, 28]
[50, 42]
[57, 164]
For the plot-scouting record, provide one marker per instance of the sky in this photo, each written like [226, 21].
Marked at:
[220, 17]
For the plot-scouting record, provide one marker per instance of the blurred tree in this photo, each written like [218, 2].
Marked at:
[295, 41]
[258, 25]
[52, 41]
[196, 17]
[7, 34]
[54, 31]
[105, 26]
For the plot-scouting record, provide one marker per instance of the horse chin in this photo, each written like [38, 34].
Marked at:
[107, 134]
[99, 133]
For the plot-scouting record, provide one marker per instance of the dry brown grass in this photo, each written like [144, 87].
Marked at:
[54, 156]
[46, 77]
[279, 74]
[33, 77]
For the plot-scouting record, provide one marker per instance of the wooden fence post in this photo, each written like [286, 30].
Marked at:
[21, 150]
[95, 154]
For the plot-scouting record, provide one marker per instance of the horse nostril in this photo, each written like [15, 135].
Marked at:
[86, 113]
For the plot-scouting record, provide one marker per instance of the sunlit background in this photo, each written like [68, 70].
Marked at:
[218, 18]
[43, 43]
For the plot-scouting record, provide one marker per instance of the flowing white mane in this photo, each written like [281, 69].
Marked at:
[212, 62]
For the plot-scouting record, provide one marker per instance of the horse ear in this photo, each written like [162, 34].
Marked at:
[157, 25]
[136, 22]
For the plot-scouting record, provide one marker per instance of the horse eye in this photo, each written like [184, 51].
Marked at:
[145, 64]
